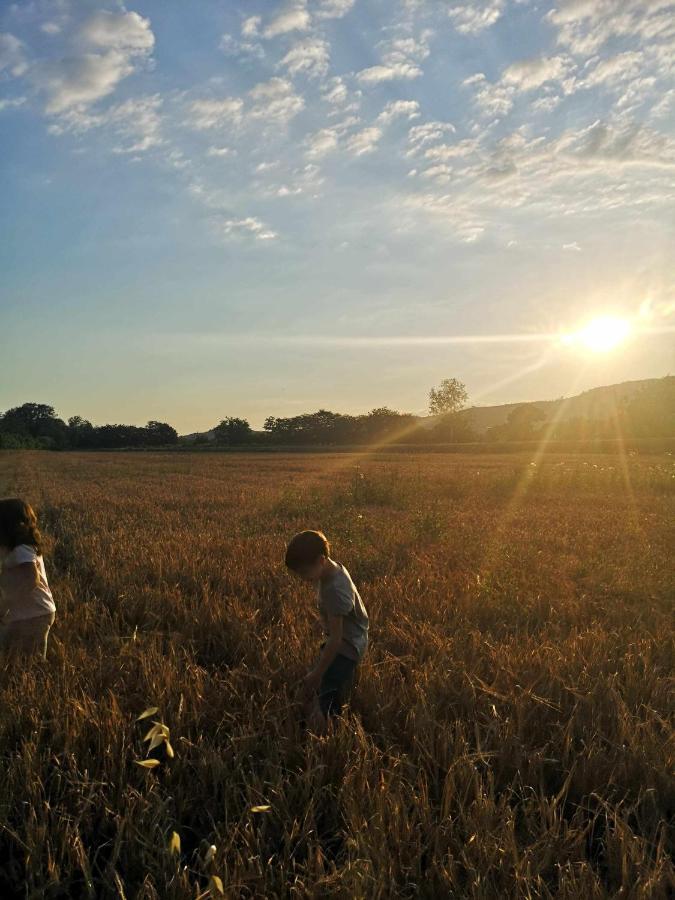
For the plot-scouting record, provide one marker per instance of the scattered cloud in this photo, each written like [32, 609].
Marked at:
[250, 227]
[395, 109]
[321, 143]
[12, 55]
[532, 73]
[208, 114]
[333, 9]
[221, 152]
[364, 141]
[309, 56]
[275, 101]
[472, 18]
[401, 58]
[294, 17]
[109, 46]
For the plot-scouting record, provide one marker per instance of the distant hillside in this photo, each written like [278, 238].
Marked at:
[597, 404]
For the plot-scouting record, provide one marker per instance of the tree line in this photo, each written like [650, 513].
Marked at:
[650, 413]
[36, 425]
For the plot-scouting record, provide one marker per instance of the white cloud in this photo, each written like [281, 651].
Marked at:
[321, 143]
[440, 173]
[136, 123]
[336, 91]
[428, 133]
[573, 246]
[221, 152]
[546, 104]
[251, 27]
[12, 56]
[532, 73]
[50, 28]
[294, 17]
[472, 18]
[11, 103]
[584, 26]
[364, 141]
[409, 109]
[401, 58]
[215, 113]
[246, 227]
[232, 47]
[81, 79]
[126, 31]
[275, 100]
[333, 9]
[493, 100]
[309, 56]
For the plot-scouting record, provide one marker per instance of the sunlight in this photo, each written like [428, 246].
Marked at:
[601, 335]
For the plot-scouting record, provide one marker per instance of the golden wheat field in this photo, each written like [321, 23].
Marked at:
[511, 731]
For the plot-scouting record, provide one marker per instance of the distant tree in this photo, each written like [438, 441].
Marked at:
[384, 424]
[522, 424]
[160, 434]
[232, 431]
[449, 397]
[36, 420]
[81, 433]
[455, 428]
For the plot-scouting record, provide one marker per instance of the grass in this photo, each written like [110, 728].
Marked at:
[512, 729]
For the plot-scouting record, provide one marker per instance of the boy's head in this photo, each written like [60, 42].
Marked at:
[307, 554]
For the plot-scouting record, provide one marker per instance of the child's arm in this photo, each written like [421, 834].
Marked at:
[312, 680]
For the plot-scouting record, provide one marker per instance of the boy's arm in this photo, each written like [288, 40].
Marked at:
[330, 650]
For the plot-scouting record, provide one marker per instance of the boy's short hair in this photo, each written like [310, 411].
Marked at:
[305, 549]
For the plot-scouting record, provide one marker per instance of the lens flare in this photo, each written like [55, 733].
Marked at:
[600, 335]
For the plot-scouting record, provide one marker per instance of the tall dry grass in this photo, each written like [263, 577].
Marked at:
[512, 728]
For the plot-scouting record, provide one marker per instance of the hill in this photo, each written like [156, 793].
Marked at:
[596, 404]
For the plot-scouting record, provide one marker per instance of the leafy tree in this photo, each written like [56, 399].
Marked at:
[36, 420]
[449, 397]
[522, 424]
[232, 431]
[160, 434]
[81, 433]
[455, 428]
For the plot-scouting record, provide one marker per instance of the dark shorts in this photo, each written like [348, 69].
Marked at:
[336, 685]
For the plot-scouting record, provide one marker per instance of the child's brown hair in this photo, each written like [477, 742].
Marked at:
[305, 548]
[18, 525]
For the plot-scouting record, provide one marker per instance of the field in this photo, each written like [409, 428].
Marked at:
[512, 727]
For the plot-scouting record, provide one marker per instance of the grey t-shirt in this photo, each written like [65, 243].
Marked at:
[338, 596]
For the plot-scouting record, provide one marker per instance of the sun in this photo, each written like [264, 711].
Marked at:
[601, 335]
[604, 334]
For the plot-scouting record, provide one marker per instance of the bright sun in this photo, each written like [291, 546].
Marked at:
[602, 334]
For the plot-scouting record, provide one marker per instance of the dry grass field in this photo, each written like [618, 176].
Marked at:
[512, 730]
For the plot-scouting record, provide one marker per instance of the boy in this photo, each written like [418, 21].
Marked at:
[344, 619]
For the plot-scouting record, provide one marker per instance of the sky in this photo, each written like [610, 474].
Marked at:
[251, 208]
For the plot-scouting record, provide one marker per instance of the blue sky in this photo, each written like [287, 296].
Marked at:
[255, 208]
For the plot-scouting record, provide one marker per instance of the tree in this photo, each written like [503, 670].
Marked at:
[81, 433]
[449, 397]
[522, 424]
[159, 434]
[36, 420]
[232, 431]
